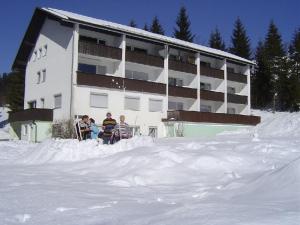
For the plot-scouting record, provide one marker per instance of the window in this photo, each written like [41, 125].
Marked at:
[136, 75]
[101, 70]
[57, 101]
[153, 132]
[132, 103]
[31, 104]
[43, 76]
[205, 64]
[101, 42]
[86, 68]
[98, 100]
[231, 110]
[175, 106]
[42, 103]
[175, 82]
[38, 78]
[191, 59]
[205, 86]
[44, 50]
[230, 90]
[40, 53]
[128, 48]
[135, 131]
[140, 50]
[155, 105]
[205, 108]
[88, 39]
[230, 69]
[34, 56]
[25, 129]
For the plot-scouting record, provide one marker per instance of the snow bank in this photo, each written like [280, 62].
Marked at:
[4, 128]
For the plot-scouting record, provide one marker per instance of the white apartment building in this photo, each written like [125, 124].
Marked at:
[76, 65]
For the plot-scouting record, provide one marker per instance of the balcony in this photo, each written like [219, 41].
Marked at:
[207, 117]
[99, 50]
[143, 58]
[31, 114]
[183, 92]
[211, 72]
[212, 95]
[237, 77]
[237, 99]
[182, 67]
[105, 81]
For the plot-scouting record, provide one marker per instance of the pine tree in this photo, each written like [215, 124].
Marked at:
[273, 42]
[183, 29]
[262, 83]
[132, 23]
[216, 40]
[294, 48]
[240, 41]
[146, 27]
[15, 92]
[156, 27]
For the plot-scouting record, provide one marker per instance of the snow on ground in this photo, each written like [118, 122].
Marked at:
[244, 177]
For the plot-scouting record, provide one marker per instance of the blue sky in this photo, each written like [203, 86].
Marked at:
[205, 16]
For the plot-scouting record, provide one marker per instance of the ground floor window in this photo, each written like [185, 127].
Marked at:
[135, 131]
[32, 104]
[25, 129]
[57, 101]
[153, 132]
[98, 100]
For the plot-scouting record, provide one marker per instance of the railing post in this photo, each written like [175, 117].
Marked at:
[198, 81]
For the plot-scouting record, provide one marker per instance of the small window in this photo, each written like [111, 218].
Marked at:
[101, 42]
[43, 76]
[205, 64]
[40, 52]
[136, 75]
[38, 78]
[230, 69]
[135, 131]
[155, 105]
[191, 59]
[153, 132]
[42, 103]
[25, 129]
[101, 70]
[231, 111]
[34, 56]
[140, 50]
[175, 105]
[98, 100]
[231, 90]
[175, 82]
[205, 108]
[44, 50]
[128, 48]
[205, 86]
[57, 101]
[88, 39]
[132, 103]
[86, 68]
[32, 104]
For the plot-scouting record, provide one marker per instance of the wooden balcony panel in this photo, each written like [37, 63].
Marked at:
[183, 92]
[212, 95]
[141, 58]
[182, 67]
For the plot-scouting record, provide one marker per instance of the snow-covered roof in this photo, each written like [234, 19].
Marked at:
[65, 15]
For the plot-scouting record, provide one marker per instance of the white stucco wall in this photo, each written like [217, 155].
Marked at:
[58, 66]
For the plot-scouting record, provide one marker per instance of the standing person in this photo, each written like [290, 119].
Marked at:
[121, 130]
[82, 128]
[93, 129]
[108, 125]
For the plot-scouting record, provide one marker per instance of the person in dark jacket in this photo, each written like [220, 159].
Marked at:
[108, 125]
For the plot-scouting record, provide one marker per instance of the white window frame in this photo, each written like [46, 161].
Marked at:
[25, 129]
[157, 100]
[99, 94]
[132, 97]
[55, 96]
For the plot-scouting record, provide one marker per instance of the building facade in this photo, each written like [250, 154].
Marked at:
[76, 65]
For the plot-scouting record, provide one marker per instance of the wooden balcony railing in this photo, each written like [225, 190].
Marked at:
[99, 50]
[31, 114]
[207, 117]
[237, 99]
[182, 67]
[143, 58]
[182, 92]
[96, 80]
[212, 95]
[237, 77]
[211, 72]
